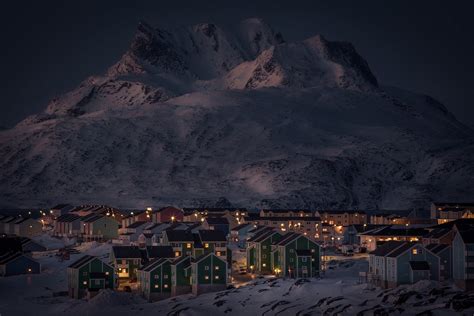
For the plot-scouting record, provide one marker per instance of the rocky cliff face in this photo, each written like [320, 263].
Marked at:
[192, 115]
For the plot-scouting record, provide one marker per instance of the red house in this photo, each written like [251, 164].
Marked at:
[168, 214]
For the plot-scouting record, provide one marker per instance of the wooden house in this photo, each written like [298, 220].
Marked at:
[88, 275]
[259, 251]
[98, 227]
[209, 274]
[16, 263]
[181, 276]
[295, 255]
[217, 223]
[286, 213]
[398, 262]
[127, 260]
[168, 214]
[154, 280]
[463, 257]
[445, 261]
[343, 217]
[67, 225]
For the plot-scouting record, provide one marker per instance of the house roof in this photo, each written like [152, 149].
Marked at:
[212, 209]
[342, 212]
[127, 252]
[291, 218]
[181, 259]
[137, 224]
[152, 265]
[168, 208]
[438, 232]
[241, 226]
[262, 235]
[9, 256]
[419, 265]
[203, 256]
[68, 217]
[282, 211]
[81, 261]
[367, 228]
[419, 213]
[217, 221]
[287, 238]
[386, 248]
[404, 247]
[90, 218]
[179, 235]
[61, 206]
[436, 248]
[303, 252]
[160, 252]
[212, 235]
[391, 231]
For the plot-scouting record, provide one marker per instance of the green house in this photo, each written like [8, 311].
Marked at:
[181, 276]
[89, 274]
[183, 242]
[98, 227]
[126, 260]
[295, 255]
[259, 250]
[213, 241]
[209, 274]
[154, 280]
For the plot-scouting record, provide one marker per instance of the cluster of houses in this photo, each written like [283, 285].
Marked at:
[444, 252]
[15, 256]
[172, 251]
[185, 261]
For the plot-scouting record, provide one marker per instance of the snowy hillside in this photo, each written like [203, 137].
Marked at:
[195, 114]
[337, 293]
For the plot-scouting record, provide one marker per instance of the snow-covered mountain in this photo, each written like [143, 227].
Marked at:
[191, 115]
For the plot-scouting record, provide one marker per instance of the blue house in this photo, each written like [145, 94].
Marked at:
[398, 262]
[16, 263]
[217, 223]
[463, 257]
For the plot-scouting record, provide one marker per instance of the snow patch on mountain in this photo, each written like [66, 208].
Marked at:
[192, 115]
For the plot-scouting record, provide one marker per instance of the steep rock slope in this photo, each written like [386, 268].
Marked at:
[192, 115]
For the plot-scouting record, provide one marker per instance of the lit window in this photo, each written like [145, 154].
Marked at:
[206, 245]
[218, 253]
[176, 254]
[206, 277]
[85, 282]
[107, 273]
[166, 286]
[216, 277]
[156, 286]
[29, 269]
[264, 265]
[217, 267]
[188, 245]
[414, 251]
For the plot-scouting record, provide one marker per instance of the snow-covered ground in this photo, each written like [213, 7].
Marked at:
[338, 292]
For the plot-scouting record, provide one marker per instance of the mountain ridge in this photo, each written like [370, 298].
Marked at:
[203, 114]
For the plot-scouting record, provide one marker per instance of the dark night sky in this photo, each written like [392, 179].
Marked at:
[48, 47]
